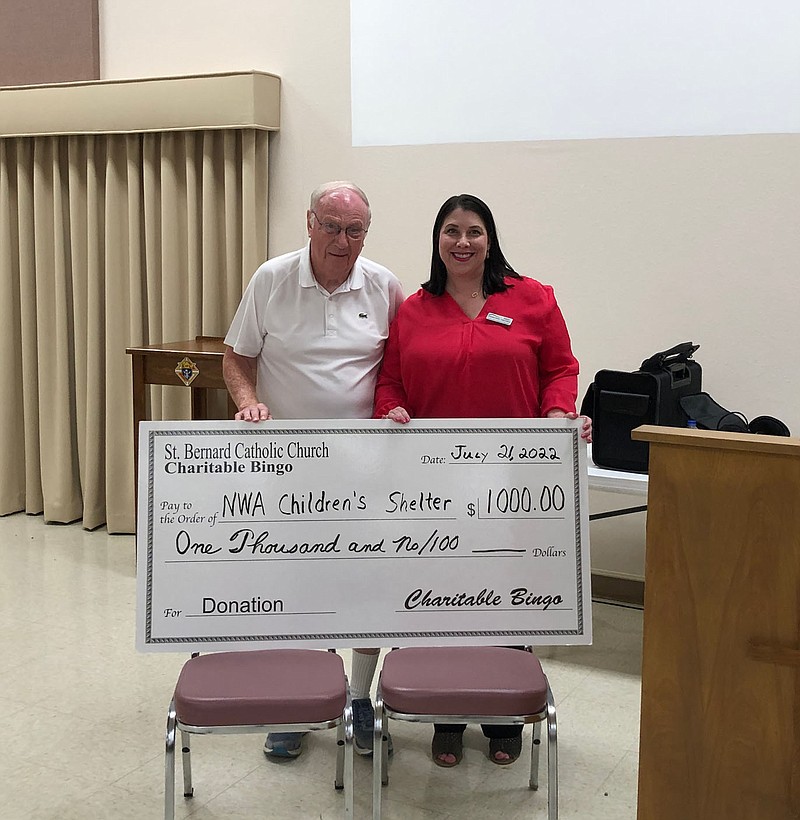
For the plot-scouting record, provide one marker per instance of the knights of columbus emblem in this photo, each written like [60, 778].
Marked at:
[187, 371]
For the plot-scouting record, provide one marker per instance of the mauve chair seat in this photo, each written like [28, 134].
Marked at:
[463, 680]
[261, 687]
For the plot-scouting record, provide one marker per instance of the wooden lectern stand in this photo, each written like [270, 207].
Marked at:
[164, 364]
[720, 725]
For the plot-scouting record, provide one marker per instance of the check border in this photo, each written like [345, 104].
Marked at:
[384, 638]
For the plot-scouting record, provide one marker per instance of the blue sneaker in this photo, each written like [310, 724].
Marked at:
[363, 727]
[284, 744]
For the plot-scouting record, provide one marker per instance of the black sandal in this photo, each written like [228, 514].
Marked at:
[512, 746]
[447, 743]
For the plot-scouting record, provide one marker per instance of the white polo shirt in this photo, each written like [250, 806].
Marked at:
[318, 352]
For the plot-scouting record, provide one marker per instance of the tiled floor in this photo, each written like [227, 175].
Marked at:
[83, 714]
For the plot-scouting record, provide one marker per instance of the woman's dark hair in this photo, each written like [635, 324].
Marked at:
[495, 268]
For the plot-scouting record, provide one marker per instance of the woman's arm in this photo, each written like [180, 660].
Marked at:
[389, 390]
[558, 367]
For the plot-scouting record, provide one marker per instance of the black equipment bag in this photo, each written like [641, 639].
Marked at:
[618, 402]
[710, 415]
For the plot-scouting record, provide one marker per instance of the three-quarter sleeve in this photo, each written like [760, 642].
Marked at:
[389, 391]
[558, 367]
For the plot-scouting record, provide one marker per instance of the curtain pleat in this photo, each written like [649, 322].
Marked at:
[108, 242]
[88, 177]
[61, 486]
[34, 501]
[179, 311]
[12, 424]
[118, 480]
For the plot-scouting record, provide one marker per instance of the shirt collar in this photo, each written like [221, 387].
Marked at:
[353, 282]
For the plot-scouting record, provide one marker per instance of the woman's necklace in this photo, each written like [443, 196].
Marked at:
[470, 302]
[475, 294]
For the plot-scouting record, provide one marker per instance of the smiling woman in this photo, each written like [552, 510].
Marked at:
[463, 247]
[476, 341]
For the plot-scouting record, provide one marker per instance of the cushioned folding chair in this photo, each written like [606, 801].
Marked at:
[279, 690]
[465, 684]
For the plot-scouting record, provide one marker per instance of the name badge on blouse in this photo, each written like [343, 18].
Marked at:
[500, 320]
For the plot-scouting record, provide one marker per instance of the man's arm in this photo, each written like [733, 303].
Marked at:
[239, 373]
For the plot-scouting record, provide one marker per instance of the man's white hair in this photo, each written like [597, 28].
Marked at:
[339, 185]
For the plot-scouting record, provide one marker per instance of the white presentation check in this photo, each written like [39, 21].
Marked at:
[362, 533]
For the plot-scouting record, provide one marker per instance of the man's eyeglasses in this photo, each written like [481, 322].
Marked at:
[332, 229]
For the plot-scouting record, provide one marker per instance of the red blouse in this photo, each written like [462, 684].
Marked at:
[439, 363]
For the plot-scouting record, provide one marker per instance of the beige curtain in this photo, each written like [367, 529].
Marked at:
[108, 242]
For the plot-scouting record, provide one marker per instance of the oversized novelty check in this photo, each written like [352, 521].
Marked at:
[362, 533]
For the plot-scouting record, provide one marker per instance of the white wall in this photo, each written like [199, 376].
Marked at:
[583, 70]
[648, 242]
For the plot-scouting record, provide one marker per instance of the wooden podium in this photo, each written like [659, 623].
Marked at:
[720, 723]
[195, 364]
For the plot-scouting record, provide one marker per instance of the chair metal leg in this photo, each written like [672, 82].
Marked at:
[552, 758]
[186, 753]
[377, 756]
[344, 757]
[536, 745]
[344, 753]
[385, 752]
[169, 764]
[338, 782]
[348, 758]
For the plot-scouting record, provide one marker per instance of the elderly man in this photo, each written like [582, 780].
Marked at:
[306, 342]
